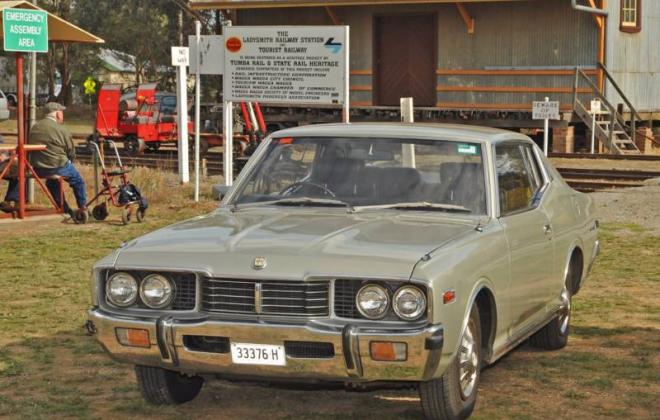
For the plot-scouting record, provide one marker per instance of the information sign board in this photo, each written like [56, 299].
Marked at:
[25, 30]
[180, 56]
[212, 54]
[294, 64]
[542, 110]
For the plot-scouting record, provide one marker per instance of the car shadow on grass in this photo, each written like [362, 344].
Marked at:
[69, 375]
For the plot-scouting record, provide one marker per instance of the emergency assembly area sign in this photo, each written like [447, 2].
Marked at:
[296, 64]
[25, 30]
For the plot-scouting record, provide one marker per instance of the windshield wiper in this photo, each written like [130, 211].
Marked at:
[419, 205]
[307, 201]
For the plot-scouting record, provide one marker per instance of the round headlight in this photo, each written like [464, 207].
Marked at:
[121, 289]
[409, 303]
[156, 291]
[372, 301]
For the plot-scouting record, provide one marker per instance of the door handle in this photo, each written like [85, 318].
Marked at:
[547, 229]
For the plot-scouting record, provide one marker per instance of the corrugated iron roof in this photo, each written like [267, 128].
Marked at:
[260, 4]
[59, 30]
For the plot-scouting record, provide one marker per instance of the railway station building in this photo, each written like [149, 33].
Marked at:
[485, 61]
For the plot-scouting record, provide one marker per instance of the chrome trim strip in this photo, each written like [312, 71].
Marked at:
[257, 297]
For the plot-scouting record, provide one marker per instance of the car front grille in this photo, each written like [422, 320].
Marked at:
[186, 291]
[266, 297]
[345, 291]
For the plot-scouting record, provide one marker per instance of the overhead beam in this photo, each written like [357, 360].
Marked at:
[469, 21]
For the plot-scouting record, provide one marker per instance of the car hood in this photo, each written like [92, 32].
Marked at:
[296, 243]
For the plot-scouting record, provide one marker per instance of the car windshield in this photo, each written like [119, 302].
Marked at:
[402, 174]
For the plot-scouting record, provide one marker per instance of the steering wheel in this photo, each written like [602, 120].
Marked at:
[289, 189]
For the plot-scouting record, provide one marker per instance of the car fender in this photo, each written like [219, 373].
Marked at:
[453, 341]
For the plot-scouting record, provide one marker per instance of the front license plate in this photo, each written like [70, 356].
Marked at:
[257, 354]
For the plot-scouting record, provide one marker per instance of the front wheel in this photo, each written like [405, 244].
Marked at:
[454, 395]
[165, 387]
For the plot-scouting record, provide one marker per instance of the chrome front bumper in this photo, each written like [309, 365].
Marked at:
[351, 362]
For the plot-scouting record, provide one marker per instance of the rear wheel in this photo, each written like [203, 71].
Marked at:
[126, 216]
[165, 387]
[454, 395]
[554, 335]
[140, 214]
[100, 212]
[134, 146]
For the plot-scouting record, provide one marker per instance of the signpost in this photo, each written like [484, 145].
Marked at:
[180, 59]
[23, 31]
[545, 110]
[207, 56]
[306, 65]
[595, 109]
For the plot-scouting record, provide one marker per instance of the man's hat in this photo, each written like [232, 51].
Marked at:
[53, 106]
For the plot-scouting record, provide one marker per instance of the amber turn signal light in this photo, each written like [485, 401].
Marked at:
[448, 297]
[133, 337]
[387, 351]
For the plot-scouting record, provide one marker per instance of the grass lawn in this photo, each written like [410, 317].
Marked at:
[49, 368]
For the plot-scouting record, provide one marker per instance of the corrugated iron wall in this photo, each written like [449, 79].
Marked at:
[634, 58]
[497, 66]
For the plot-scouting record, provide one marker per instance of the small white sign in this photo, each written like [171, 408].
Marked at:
[542, 110]
[286, 64]
[595, 106]
[211, 55]
[257, 354]
[180, 56]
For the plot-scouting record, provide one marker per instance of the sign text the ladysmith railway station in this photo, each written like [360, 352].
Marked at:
[301, 64]
[25, 30]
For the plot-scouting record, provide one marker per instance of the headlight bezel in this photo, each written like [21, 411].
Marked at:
[134, 294]
[170, 286]
[423, 307]
[386, 294]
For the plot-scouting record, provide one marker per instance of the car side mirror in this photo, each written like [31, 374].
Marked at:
[220, 191]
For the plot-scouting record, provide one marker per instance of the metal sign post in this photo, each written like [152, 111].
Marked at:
[198, 89]
[595, 109]
[545, 110]
[347, 63]
[23, 31]
[180, 59]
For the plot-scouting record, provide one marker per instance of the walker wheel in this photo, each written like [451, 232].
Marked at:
[126, 215]
[100, 212]
[80, 217]
[140, 215]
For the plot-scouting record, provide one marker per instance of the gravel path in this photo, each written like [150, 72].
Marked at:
[631, 205]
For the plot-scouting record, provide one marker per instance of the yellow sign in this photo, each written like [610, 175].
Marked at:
[90, 86]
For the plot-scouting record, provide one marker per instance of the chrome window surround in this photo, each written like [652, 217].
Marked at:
[540, 194]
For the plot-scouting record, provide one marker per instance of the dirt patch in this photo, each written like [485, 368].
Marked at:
[630, 205]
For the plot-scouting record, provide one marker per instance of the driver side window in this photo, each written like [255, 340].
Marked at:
[518, 179]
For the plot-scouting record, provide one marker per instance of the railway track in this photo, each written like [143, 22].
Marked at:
[582, 179]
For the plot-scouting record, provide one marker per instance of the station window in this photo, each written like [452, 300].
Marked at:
[631, 15]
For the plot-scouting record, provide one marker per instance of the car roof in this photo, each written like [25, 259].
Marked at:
[426, 131]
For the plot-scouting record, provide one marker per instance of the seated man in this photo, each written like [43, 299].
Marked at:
[12, 188]
[58, 156]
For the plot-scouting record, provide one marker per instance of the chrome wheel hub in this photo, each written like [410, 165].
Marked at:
[468, 358]
[565, 314]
